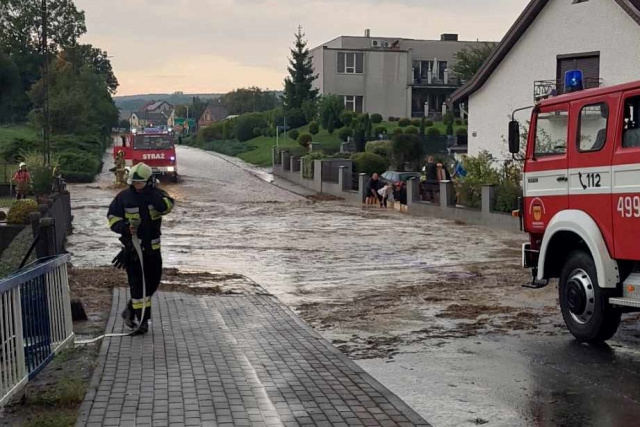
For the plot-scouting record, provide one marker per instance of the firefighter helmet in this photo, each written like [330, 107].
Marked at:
[22, 164]
[139, 173]
[120, 153]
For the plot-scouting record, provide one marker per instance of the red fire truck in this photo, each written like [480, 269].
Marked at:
[581, 204]
[155, 147]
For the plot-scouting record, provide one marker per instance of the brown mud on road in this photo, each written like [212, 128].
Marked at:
[479, 299]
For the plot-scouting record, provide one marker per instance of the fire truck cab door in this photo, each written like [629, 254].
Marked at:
[546, 172]
[590, 153]
[626, 177]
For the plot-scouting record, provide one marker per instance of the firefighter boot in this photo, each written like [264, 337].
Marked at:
[129, 316]
[143, 328]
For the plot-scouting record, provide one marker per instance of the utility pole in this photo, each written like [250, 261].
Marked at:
[45, 81]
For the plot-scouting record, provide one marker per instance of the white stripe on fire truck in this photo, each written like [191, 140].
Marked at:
[619, 179]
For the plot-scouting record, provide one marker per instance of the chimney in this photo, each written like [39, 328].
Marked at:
[367, 33]
[449, 37]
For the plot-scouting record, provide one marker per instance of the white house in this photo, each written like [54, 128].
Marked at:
[599, 37]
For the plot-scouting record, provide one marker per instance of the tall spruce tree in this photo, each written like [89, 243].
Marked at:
[298, 87]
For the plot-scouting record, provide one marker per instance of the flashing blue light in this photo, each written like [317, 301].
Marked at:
[573, 81]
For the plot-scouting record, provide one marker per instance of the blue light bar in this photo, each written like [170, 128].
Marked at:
[573, 81]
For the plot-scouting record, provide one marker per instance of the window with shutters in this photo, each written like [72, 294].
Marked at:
[588, 63]
[350, 62]
[353, 103]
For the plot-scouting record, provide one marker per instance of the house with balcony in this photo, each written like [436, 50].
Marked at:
[550, 38]
[388, 75]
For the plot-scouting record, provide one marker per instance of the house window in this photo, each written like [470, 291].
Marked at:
[353, 103]
[588, 63]
[351, 62]
[592, 131]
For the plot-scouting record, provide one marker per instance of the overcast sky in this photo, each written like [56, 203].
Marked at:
[204, 46]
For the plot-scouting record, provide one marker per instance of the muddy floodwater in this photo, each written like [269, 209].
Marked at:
[432, 309]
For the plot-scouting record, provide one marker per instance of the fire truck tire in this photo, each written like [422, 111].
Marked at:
[585, 306]
[174, 177]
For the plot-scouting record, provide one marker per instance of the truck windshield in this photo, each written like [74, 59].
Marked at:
[153, 142]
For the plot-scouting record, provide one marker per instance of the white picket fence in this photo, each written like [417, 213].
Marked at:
[35, 322]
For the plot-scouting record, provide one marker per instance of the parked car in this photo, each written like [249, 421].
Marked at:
[396, 177]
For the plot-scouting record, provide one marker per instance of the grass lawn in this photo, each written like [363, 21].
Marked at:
[261, 153]
[12, 132]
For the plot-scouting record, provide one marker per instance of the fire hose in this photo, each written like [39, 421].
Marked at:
[138, 249]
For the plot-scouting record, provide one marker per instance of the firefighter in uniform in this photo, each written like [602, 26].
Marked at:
[138, 211]
[120, 167]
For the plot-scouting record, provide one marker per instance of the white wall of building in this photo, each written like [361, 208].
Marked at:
[383, 85]
[561, 28]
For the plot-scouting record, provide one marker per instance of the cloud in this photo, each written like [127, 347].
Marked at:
[253, 37]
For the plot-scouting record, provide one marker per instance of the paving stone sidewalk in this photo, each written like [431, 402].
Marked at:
[237, 360]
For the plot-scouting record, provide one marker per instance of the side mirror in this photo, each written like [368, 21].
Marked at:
[514, 137]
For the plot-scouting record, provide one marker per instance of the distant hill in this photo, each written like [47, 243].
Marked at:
[135, 102]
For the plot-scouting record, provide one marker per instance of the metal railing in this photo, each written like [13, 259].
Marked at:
[6, 172]
[544, 88]
[35, 322]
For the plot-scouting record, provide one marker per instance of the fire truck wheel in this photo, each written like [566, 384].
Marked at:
[174, 177]
[585, 306]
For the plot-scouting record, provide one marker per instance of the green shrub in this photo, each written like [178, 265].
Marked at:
[347, 118]
[294, 134]
[305, 139]
[314, 128]
[12, 151]
[458, 122]
[466, 122]
[376, 118]
[398, 131]
[480, 171]
[369, 163]
[428, 123]
[433, 131]
[404, 122]
[407, 150]
[412, 130]
[448, 118]
[77, 166]
[296, 117]
[246, 123]
[308, 162]
[380, 130]
[508, 190]
[461, 132]
[257, 132]
[210, 133]
[270, 132]
[415, 122]
[393, 119]
[41, 175]
[345, 133]
[20, 210]
[450, 128]
[381, 148]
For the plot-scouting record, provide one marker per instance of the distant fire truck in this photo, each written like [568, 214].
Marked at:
[581, 204]
[152, 146]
